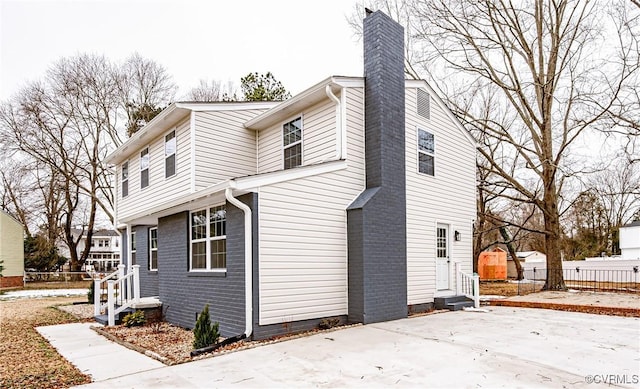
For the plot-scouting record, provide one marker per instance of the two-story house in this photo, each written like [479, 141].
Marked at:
[104, 249]
[353, 199]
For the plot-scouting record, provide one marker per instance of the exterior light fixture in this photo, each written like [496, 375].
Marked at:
[457, 236]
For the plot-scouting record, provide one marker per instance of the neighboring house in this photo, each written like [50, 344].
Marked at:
[531, 256]
[11, 251]
[630, 240]
[353, 200]
[104, 252]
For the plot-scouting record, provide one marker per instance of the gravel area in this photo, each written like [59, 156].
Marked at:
[80, 311]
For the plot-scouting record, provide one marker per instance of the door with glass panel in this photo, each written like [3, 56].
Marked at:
[442, 257]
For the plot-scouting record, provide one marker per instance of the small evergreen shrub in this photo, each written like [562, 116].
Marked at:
[134, 319]
[205, 333]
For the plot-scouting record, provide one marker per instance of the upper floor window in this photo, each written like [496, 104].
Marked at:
[426, 152]
[170, 154]
[125, 179]
[153, 248]
[292, 142]
[144, 168]
[423, 103]
[209, 239]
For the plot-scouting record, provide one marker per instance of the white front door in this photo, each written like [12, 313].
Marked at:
[442, 257]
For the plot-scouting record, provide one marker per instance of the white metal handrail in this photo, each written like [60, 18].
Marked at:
[468, 285]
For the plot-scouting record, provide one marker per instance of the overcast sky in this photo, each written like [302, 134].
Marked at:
[300, 42]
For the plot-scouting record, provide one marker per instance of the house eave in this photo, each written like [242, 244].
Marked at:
[301, 101]
[171, 116]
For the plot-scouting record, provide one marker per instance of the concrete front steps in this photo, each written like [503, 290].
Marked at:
[151, 306]
[104, 319]
[453, 303]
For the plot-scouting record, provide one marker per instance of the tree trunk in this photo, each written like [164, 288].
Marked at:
[555, 279]
[507, 241]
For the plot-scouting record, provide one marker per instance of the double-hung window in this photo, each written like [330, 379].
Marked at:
[133, 248]
[292, 143]
[170, 154]
[125, 179]
[426, 152]
[153, 248]
[144, 168]
[209, 239]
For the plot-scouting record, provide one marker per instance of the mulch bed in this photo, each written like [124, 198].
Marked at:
[172, 345]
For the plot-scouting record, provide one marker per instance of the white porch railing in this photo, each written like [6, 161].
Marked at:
[468, 285]
[122, 290]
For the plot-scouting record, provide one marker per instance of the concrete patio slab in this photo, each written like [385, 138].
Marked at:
[504, 347]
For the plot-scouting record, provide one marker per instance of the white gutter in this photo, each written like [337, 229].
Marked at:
[248, 257]
[339, 129]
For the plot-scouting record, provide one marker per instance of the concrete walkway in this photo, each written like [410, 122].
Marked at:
[503, 347]
[94, 354]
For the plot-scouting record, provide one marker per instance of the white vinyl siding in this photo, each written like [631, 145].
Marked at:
[160, 189]
[224, 148]
[303, 236]
[318, 134]
[447, 198]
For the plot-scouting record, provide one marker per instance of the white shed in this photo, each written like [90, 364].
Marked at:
[630, 240]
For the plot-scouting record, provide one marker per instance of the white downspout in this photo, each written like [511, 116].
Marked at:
[248, 257]
[339, 129]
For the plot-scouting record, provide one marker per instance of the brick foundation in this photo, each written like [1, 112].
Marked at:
[11, 282]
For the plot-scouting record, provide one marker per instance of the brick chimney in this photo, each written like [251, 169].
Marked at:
[376, 220]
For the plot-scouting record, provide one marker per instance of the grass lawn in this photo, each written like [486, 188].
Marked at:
[27, 360]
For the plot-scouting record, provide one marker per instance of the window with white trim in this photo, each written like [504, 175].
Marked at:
[153, 248]
[133, 248]
[170, 154]
[144, 168]
[426, 152]
[125, 179]
[209, 239]
[292, 143]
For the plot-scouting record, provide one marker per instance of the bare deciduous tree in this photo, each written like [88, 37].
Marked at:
[206, 91]
[560, 69]
[64, 127]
